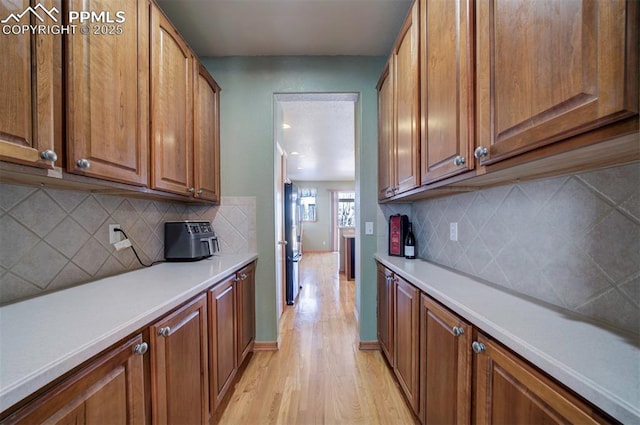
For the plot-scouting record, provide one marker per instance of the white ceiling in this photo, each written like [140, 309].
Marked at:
[320, 140]
[322, 129]
[287, 27]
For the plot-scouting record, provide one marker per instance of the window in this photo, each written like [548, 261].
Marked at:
[308, 203]
[346, 209]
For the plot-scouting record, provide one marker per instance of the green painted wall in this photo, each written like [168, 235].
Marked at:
[317, 235]
[247, 156]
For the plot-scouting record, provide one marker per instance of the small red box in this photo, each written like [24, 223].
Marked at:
[398, 228]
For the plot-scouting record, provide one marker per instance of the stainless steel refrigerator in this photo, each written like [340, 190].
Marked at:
[292, 234]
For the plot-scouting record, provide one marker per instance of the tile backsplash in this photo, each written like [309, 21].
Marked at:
[572, 241]
[51, 239]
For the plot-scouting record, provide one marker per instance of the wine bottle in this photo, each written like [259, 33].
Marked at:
[410, 244]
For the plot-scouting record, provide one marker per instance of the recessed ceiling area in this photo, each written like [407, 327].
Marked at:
[317, 131]
[287, 27]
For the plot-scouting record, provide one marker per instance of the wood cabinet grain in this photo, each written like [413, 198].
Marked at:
[445, 365]
[109, 390]
[386, 138]
[179, 365]
[407, 337]
[206, 136]
[386, 303]
[508, 390]
[31, 87]
[246, 293]
[107, 96]
[223, 337]
[171, 108]
[548, 71]
[446, 89]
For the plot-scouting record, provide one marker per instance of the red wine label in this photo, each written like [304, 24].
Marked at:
[409, 251]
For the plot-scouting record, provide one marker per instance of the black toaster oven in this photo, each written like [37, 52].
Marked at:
[189, 240]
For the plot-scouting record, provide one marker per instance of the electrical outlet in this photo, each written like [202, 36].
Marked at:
[453, 231]
[114, 236]
[368, 228]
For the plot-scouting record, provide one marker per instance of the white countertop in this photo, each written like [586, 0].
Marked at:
[600, 365]
[43, 338]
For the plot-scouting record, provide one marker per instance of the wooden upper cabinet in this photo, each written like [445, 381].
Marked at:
[548, 71]
[509, 391]
[109, 390]
[407, 337]
[406, 100]
[179, 366]
[31, 101]
[446, 81]
[386, 289]
[386, 157]
[107, 87]
[445, 365]
[171, 108]
[206, 136]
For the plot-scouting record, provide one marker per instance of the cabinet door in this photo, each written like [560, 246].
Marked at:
[30, 105]
[407, 97]
[107, 95]
[446, 81]
[550, 70]
[179, 366]
[206, 136]
[110, 390]
[386, 290]
[246, 293]
[407, 311]
[223, 322]
[386, 171]
[509, 391]
[445, 365]
[171, 108]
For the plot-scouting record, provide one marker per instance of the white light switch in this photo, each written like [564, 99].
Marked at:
[368, 227]
[453, 231]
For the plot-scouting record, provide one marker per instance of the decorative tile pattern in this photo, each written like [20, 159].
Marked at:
[51, 239]
[572, 241]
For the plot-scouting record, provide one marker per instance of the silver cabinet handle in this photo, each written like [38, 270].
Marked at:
[478, 347]
[140, 349]
[457, 331]
[200, 191]
[164, 331]
[49, 155]
[191, 190]
[282, 242]
[459, 160]
[83, 164]
[243, 276]
[480, 152]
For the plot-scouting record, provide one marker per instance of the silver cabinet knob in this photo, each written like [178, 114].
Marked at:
[83, 164]
[140, 349]
[243, 276]
[282, 242]
[459, 160]
[457, 331]
[49, 155]
[200, 191]
[165, 331]
[480, 152]
[191, 190]
[478, 347]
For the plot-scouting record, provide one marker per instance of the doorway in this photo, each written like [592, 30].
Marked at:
[316, 133]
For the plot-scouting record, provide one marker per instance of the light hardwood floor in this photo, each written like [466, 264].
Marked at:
[319, 376]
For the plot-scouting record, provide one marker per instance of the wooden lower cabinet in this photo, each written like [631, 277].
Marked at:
[109, 390]
[445, 365]
[386, 289]
[509, 391]
[246, 293]
[179, 366]
[223, 332]
[407, 310]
